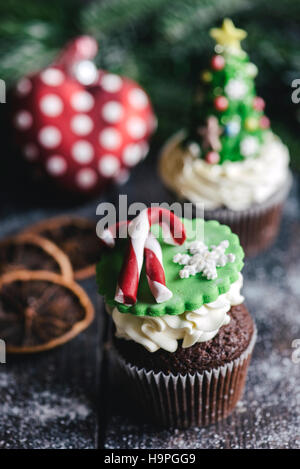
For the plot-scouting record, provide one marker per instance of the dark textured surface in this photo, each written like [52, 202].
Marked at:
[62, 398]
[227, 345]
[49, 400]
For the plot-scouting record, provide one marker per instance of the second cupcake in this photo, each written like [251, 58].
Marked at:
[229, 160]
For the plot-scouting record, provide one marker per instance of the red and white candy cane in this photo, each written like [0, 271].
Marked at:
[155, 271]
[139, 229]
[109, 235]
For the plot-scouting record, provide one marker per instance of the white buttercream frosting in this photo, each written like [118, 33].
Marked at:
[235, 185]
[191, 326]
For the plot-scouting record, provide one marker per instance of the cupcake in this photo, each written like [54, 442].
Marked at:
[229, 161]
[183, 337]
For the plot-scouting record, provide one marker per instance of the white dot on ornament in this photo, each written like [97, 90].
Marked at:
[30, 151]
[122, 176]
[51, 105]
[110, 138]
[85, 72]
[82, 124]
[82, 152]
[136, 127]
[109, 165]
[56, 165]
[49, 136]
[86, 178]
[132, 154]
[82, 101]
[112, 112]
[111, 83]
[23, 120]
[24, 86]
[137, 98]
[52, 77]
[145, 149]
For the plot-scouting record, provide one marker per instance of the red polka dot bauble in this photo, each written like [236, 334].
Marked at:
[217, 62]
[212, 157]
[221, 103]
[258, 103]
[82, 126]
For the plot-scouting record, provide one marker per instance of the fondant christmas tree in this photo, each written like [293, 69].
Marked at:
[228, 122]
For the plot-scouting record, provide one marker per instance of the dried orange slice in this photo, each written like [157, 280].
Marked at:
[76, 237]
[32, 252]
[41, 310]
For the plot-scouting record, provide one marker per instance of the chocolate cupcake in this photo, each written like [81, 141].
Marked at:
[183, 336]
[229, 161]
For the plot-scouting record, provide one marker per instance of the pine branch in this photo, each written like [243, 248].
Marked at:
[31, 36]
[183, 19]
[111, 16]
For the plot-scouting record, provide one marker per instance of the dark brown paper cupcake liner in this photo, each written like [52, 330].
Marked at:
[258, 226]
[189, 400]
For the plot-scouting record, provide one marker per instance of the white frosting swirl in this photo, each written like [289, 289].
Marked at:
[235, 185]
[192, 326]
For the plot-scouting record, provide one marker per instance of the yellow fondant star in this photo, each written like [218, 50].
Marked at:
[228, 35]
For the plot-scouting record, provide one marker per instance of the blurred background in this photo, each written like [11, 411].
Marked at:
[163, 45]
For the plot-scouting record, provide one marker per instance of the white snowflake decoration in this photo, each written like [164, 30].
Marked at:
[235, 89]
[203, 260]
[249, 146]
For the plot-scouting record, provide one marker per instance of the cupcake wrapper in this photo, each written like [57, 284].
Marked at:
[257, 227]
[189, 400]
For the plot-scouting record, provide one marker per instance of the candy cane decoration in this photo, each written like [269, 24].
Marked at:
[109, 235]
[139, 229]
[155, 271]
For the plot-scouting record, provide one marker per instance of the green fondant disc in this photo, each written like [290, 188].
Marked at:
[188, 294]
